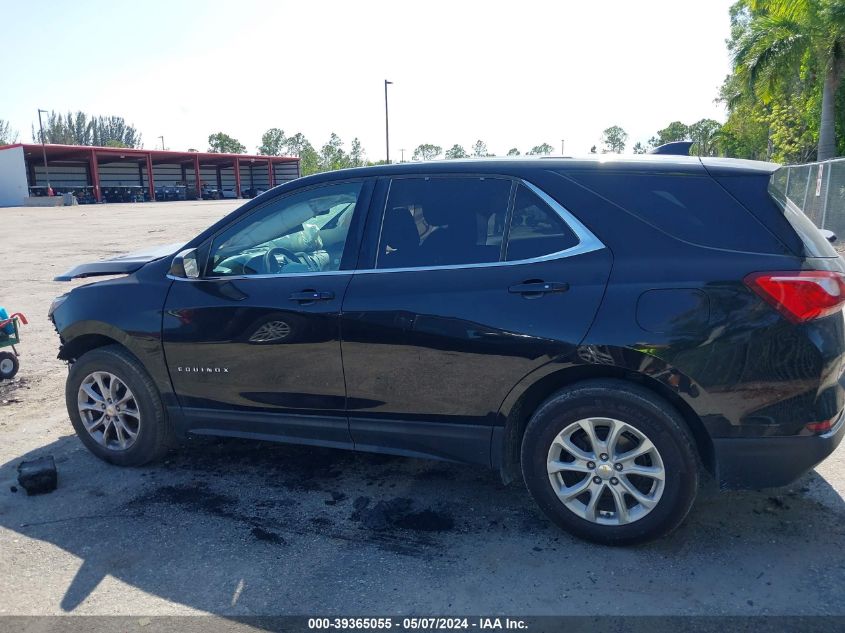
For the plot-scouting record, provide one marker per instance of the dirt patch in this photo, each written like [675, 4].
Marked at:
[12, 391]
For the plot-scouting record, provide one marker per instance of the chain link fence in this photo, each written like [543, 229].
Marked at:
[819, 190]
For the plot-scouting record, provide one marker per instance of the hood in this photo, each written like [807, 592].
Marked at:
[121, 265]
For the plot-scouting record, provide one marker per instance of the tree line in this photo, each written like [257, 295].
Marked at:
[333, 154]
[429, 151]
[330, 156]
[7, 134]
[704, 135]
[80, 128]
[784, 96]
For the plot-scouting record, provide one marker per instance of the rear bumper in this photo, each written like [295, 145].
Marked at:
[769, 462]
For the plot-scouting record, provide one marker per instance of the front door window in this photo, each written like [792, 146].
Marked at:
[304, 232]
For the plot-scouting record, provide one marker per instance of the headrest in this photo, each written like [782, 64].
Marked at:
[399, 230]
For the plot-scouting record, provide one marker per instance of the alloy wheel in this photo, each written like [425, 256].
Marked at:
[606, 471]
[109, 411]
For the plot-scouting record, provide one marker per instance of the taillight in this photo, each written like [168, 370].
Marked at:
[800, 295]
[820, 427]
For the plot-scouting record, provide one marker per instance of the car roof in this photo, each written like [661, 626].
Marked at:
[641, 163]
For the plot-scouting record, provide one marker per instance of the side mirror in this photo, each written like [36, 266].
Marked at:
[185, 265]
[830, 236]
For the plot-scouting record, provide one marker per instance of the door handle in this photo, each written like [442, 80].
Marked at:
[310, 296]
[533, 289]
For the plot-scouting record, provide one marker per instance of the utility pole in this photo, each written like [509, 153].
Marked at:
[386, 124]
[162, 143]
[562, 153]
[44, 150]
[402, 160]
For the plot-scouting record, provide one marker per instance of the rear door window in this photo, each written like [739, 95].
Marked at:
[443, 221]
[694, 209]
[536, 229]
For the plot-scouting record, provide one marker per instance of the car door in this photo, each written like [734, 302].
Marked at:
[253, 345]
[475, 281]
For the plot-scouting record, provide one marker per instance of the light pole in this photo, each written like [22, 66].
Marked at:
[386, 124]
[402, 159]
[561, 147]
[44, 150]
[162, 142]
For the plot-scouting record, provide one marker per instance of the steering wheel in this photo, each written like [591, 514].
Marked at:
[271, 264]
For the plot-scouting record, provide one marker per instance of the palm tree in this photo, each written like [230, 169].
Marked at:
[779, 37]
[705, 134]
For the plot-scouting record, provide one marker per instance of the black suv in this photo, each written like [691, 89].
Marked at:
[602, 328]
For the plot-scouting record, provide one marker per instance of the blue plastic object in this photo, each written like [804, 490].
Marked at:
[7, 329]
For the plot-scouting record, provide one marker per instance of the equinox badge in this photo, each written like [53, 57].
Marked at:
[204, 370]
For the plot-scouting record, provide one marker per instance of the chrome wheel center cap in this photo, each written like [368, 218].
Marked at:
[111, 411]
[605, 471]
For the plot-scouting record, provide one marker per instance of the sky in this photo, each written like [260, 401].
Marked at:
[513, 74]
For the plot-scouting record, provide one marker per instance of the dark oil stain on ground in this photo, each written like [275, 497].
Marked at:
[337, 497]
[296, 468]
[392, 525]
[190, 498]
[278, 491]
[399, 513]
[266, 535]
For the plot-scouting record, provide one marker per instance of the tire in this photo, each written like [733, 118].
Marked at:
[153, 433]
[8, 365]
[637, 416]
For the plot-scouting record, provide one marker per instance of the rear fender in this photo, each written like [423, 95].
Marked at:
[597, 361]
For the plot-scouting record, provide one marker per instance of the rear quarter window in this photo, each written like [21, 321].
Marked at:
[692, 208]
[535, 229]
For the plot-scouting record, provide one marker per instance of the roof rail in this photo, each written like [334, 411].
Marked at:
[677, 148]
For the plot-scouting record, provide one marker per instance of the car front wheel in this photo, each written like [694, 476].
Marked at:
[115, 408]
[610, 462]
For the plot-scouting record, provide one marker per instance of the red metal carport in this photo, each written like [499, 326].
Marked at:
[279, 168]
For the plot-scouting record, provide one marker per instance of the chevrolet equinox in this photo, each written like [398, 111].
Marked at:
[605, 329]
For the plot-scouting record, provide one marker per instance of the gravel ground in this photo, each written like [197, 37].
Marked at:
[241, 528]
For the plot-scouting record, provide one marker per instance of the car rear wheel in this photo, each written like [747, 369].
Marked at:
[610, 462]
[115, 408]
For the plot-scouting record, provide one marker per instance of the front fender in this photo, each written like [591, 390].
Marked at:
[126, 311]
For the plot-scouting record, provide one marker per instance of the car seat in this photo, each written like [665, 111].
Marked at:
[455, 240]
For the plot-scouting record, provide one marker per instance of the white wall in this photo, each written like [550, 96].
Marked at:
[13, 186]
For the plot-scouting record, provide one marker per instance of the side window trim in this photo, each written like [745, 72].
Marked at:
[587, 241]
[503, 252]
[382, 215]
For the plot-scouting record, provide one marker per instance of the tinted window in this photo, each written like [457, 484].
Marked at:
[536, 229]
[443, 221]
[692, 208]
[304, 232]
